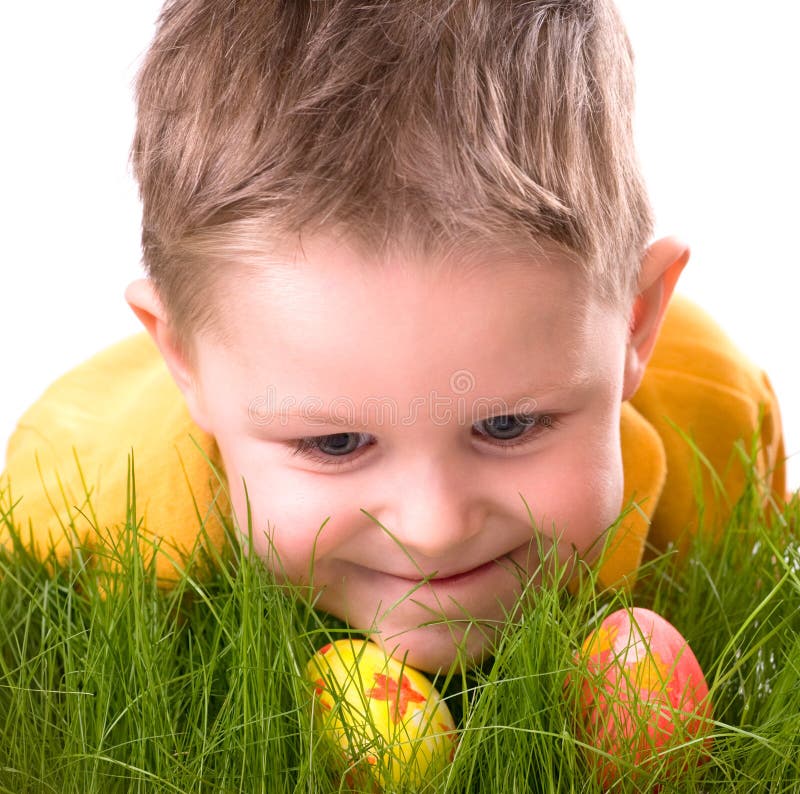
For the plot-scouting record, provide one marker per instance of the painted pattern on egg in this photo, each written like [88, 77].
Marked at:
[389, 723]
[643, 700]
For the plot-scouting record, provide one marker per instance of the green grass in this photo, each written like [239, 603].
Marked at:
[108, 683]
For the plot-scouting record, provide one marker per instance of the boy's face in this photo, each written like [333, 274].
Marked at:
[423, 369]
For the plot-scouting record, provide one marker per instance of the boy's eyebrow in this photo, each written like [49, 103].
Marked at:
[266, 410]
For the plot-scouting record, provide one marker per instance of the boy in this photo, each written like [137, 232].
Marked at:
[399, 272]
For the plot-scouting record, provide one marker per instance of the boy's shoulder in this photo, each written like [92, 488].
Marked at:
[709, 404]
[121, 406]
[699, 400]
[693, 345]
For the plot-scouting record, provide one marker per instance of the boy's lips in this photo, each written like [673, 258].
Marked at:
[443, 576]
[449, 577]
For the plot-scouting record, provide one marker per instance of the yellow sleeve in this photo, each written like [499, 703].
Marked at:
[82, 430]
[698, 382]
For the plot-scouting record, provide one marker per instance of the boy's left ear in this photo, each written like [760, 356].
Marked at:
[662, 264]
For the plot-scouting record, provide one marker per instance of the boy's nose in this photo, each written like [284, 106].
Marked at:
[434, 514]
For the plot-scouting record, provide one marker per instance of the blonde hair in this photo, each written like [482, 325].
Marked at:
[402, 122]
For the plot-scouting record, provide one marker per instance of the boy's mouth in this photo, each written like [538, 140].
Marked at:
[457, 576]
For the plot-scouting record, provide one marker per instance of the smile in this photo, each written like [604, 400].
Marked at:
[461, 576]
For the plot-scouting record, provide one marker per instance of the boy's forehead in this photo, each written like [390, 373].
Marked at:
[289, 271]
[325, 319]
[295, 289]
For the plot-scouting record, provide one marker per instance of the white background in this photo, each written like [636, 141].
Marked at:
[717, 128]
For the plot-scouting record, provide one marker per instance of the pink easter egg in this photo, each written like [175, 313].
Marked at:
[643, 699]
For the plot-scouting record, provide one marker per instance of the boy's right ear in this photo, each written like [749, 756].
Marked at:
[143, 299]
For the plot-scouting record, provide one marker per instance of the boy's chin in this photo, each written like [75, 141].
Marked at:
[438, 648]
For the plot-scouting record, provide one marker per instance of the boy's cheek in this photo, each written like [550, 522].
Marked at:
[590, 496]
[603, 502]
[287, 532]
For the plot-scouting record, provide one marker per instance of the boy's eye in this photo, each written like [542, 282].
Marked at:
[513, 430]
[508, 430]
[326, 449]
[338, 444]
[508, 426]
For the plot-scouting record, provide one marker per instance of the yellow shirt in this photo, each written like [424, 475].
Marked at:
[124, 399]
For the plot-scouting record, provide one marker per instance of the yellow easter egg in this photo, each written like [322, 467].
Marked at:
[390, 724]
